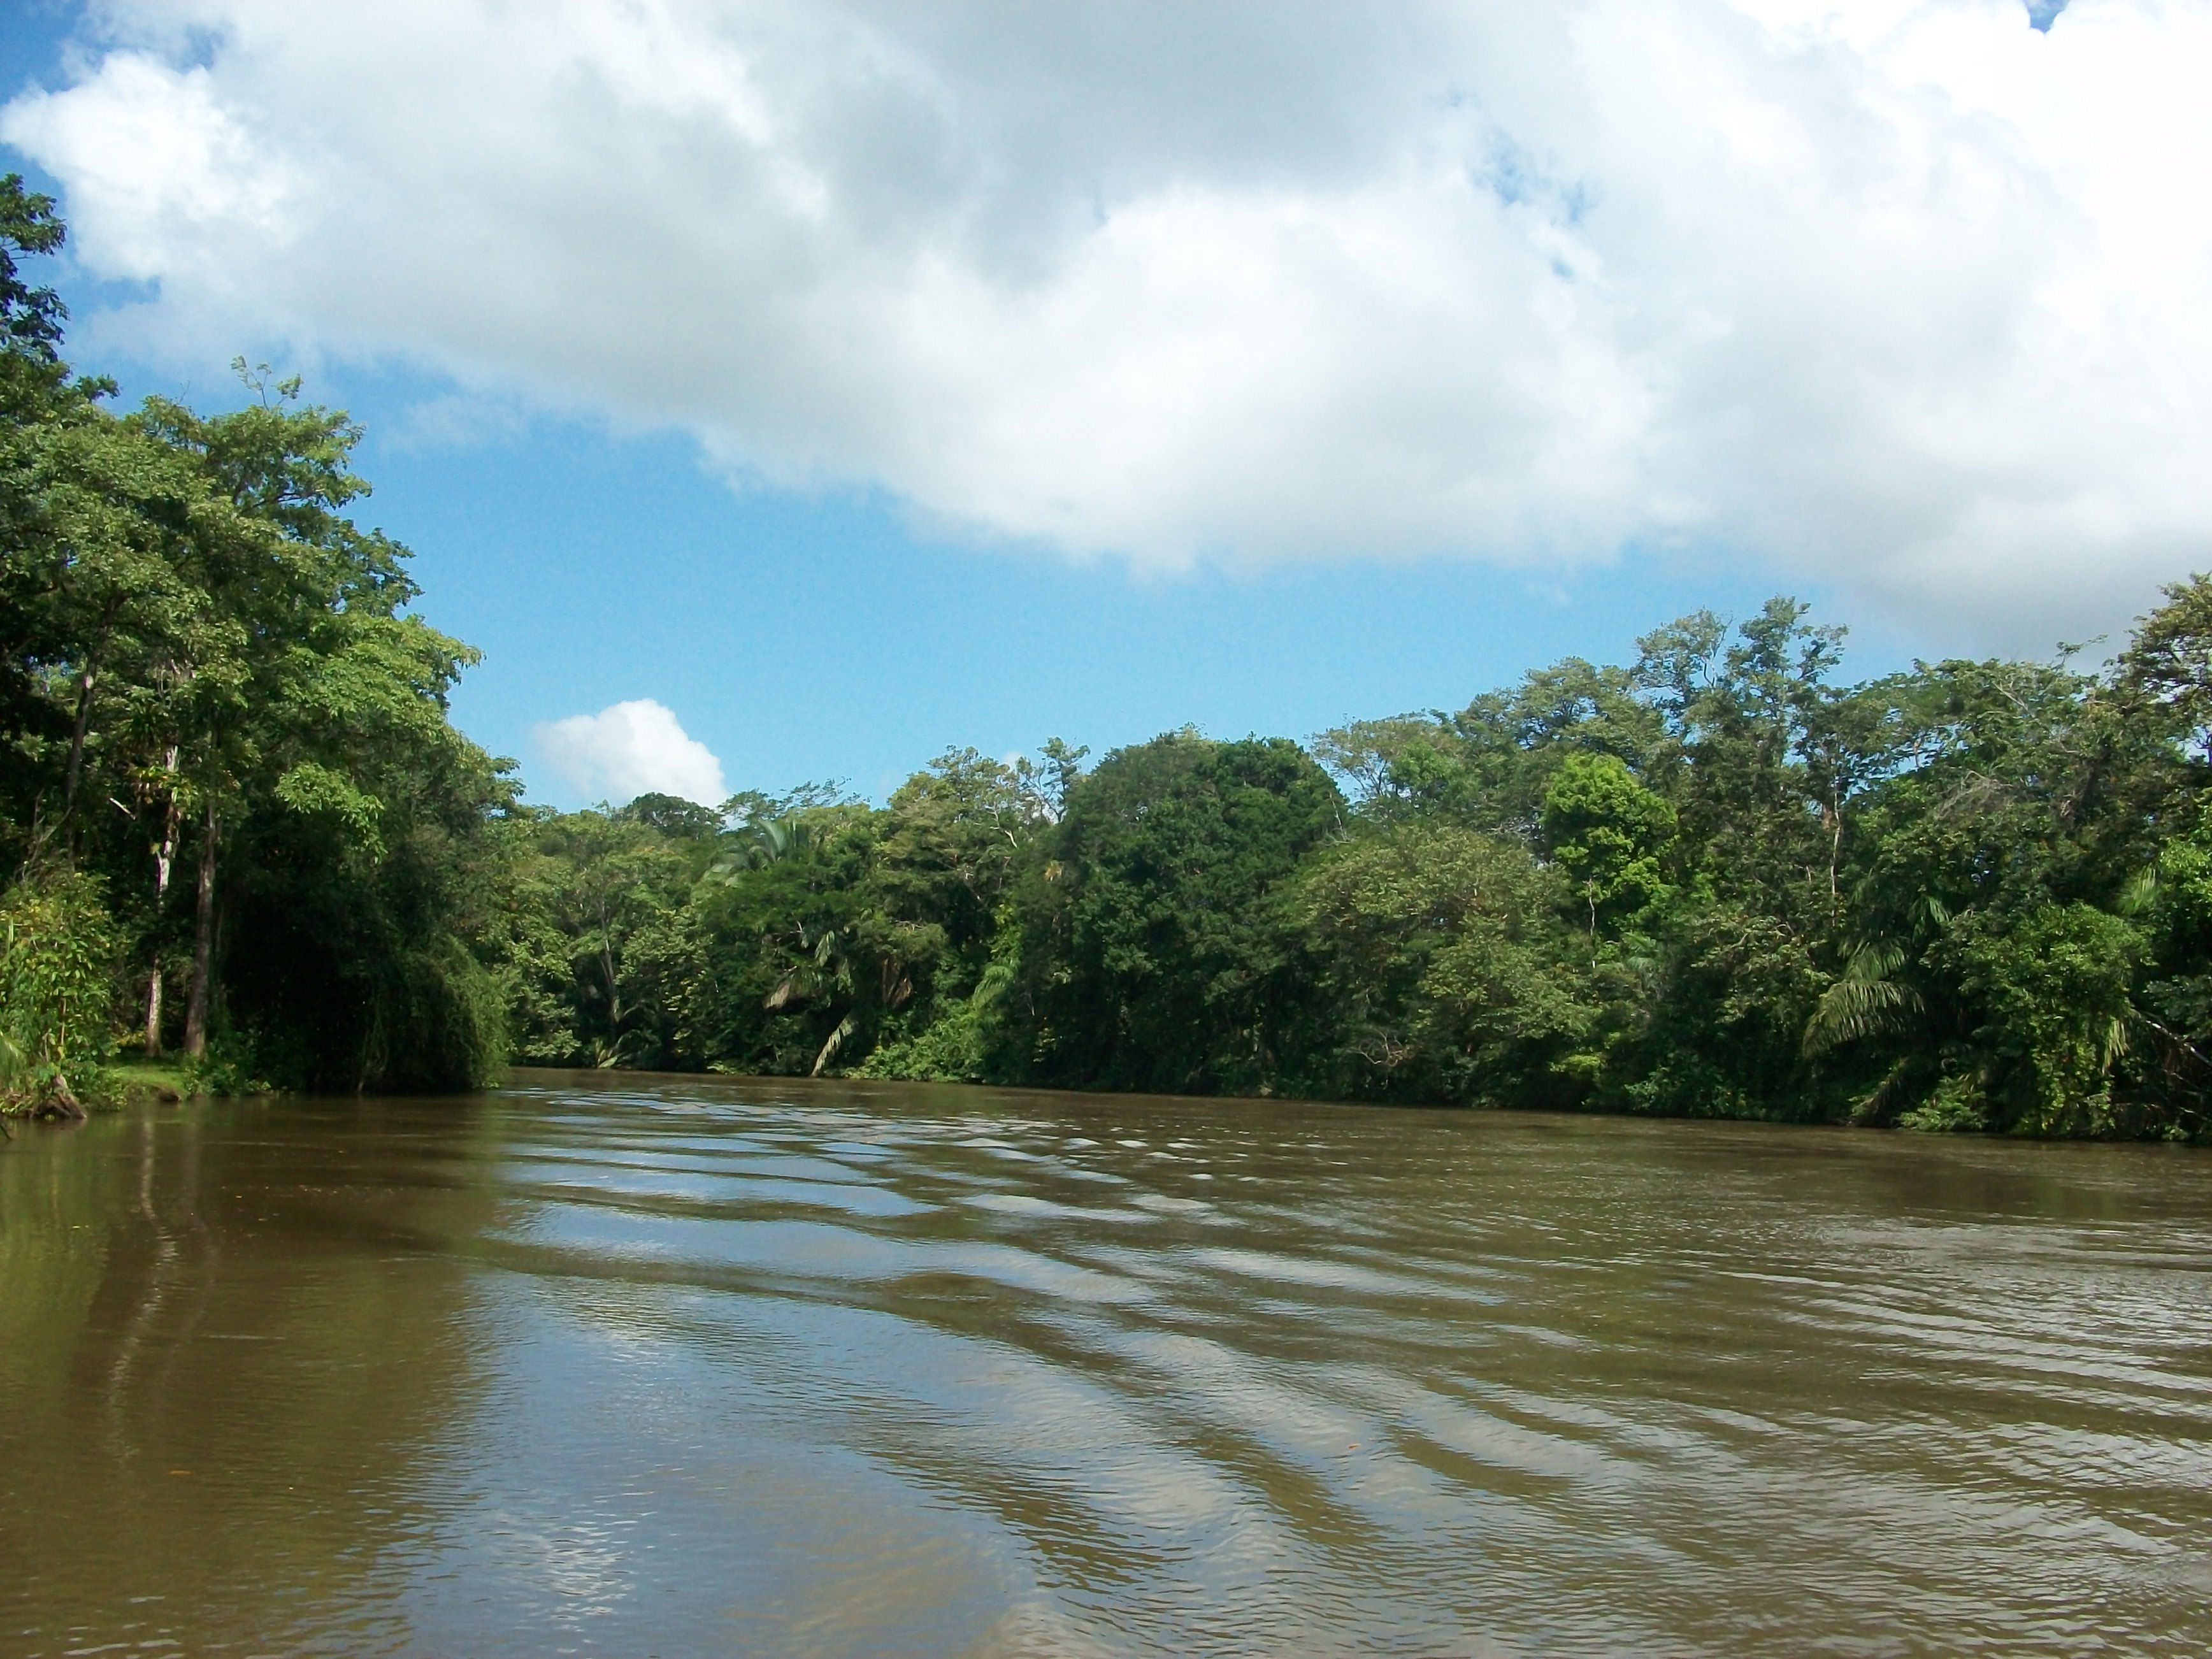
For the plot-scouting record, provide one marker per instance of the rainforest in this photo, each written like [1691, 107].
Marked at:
[241, 838]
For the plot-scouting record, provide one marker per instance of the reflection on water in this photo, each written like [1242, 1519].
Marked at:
[691, 1366]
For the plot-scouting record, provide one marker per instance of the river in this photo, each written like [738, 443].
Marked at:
[655, 1365]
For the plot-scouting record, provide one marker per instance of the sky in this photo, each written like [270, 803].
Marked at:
[778, 389]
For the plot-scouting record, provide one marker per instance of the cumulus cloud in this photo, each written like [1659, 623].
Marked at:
[629, 749]
[1905, 296]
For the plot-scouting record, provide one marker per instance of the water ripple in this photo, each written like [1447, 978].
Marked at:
[688, 1365]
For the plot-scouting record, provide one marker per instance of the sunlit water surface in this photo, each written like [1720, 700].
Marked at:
[680, 1366]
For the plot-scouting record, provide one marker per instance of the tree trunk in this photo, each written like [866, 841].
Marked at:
[83, 723]
[196, 1005]
[165, 858]
[1835, 840]
[76, 736]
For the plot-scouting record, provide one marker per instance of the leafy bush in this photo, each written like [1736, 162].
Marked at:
[2054, 991]
[58, 957]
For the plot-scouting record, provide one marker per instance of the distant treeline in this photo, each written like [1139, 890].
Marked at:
[1712, 882]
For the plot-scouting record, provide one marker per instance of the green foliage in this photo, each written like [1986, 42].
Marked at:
[1972, 896]
[601, 959]
[1865, 1000]
[1955, 1106]
[1609, 835]
[1445, 973]
[1977, 896]
[2053, 991]
[953, 1047]
[210, 698]
[227, 1066]
[1157, 948]
[58, 952]
[31, 319]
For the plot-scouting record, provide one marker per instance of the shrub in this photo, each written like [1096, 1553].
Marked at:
[57, 955]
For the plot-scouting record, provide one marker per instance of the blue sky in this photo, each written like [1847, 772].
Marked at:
[855, 604]
[809, 636]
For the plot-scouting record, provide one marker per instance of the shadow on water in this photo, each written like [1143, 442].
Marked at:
[686, 1365]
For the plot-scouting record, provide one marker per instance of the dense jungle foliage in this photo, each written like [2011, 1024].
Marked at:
[233, 808]
[1715, 881]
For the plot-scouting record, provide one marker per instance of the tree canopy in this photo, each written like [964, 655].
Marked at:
[1717, 879]
[228, 735]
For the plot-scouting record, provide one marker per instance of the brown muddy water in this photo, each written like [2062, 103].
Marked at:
[676, 1366]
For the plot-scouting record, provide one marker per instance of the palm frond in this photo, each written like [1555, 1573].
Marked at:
[1864, 1001]
[761, 845]
[2115, 1043]
[2139, 892]
[845, 1029]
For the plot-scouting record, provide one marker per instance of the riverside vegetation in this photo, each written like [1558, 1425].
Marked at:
[1715, 881]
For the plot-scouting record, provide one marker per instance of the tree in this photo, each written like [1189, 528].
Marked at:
[1609, 835]
[32, 373]
[1157, 950]
[1444, 973]
[605, 958]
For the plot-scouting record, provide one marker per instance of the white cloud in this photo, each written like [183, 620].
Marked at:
[629, 749]
[1902, 295]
